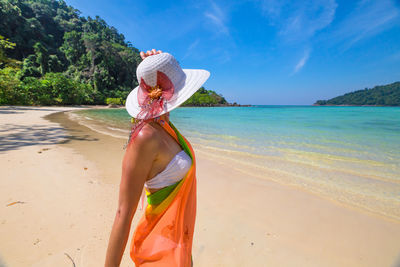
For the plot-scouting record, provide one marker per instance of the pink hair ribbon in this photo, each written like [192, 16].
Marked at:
[148, 95]
[151, 100]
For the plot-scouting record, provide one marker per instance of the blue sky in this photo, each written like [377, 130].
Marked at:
[267, 51]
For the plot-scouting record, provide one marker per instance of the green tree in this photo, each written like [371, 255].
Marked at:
[11, 91]
[73, 46]
[54, 64]
[29, 67]
[42, 57]
[205, 97]
[5, 61]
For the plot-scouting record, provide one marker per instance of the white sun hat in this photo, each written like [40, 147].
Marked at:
[158, 72]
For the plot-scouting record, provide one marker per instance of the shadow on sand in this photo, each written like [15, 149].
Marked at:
[21, 109]
[14, 136]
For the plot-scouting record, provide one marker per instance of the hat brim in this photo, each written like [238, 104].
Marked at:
[195, 78]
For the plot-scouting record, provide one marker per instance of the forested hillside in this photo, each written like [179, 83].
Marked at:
[64, 58]
[384, 95]
[50, 55]
[206, 98]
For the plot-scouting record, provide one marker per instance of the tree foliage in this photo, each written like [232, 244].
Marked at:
[384, 95]
[4, 60]
[205, 97]
[51, 89]
[48, 36]
[51, 55]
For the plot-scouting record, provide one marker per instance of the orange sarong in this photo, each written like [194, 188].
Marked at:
[164, 235]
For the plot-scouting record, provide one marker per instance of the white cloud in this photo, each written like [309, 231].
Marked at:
[191, 47]
[299, 20]
[272, 8]
[224, 56]
[369, 18]
[302, 62]
[218, 18]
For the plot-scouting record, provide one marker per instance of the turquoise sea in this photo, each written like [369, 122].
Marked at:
[347, 154]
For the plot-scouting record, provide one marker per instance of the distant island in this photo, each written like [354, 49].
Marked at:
[208, 98]
[50, 55]
[382, 95]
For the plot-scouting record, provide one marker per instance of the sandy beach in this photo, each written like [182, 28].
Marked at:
[59, 189]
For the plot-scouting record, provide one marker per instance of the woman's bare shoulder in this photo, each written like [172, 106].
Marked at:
[148, 137]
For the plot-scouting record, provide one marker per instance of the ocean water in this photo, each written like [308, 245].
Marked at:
[347, 154]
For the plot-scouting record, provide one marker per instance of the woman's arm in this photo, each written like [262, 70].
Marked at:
[136, 165]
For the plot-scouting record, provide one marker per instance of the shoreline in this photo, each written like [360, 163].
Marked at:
[255, 222]
[275, 168]
[316, 105]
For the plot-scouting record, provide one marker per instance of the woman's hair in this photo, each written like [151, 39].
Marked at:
[136, 125]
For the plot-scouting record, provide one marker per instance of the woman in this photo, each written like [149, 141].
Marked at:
[160, 159]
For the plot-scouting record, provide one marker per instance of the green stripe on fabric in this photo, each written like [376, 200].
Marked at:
[159, 196]
[181, 140]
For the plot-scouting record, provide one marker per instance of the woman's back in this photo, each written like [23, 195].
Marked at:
[167, 149]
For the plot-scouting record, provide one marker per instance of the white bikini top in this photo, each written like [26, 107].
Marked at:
[175, 171]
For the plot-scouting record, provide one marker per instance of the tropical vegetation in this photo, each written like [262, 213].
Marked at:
[383, 95]
[205, 98]
[50, 55]
[64, 58]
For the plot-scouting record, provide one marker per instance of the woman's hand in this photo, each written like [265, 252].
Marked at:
[149, 53]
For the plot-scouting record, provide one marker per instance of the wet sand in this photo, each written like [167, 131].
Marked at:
[58, 195]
